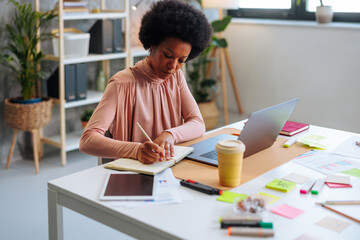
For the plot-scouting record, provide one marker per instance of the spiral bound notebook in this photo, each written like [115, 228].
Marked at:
[133, 165]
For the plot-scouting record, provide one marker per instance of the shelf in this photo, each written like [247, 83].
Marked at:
[95, 57]
[84, 16]
[91, 98]
[72, 141]
[139, 52]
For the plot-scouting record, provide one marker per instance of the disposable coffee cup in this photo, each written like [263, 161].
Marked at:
[230, 155]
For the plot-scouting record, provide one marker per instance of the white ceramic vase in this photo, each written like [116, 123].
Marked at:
[324, 14]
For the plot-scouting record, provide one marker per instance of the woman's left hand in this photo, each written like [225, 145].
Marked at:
[166, 141]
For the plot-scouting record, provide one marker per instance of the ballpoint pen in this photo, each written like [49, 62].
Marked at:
[147, 136]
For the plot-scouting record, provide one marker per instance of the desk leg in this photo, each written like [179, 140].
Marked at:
[55, 217]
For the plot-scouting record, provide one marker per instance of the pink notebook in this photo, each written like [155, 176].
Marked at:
[291, 128]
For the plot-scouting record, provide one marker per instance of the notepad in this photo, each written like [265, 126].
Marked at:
[291, 128]
[281, 185]
[134, 165]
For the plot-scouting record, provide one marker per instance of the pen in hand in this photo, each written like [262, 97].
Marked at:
[147, 136]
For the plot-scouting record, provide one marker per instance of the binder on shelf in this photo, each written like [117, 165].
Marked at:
[75, 82]
[101, 37]
[81, 81]
[117, 35]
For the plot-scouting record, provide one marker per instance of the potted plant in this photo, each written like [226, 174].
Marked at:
[27, 28]
[202, 87]
[22, 56]
[324, 14]
[85, 117]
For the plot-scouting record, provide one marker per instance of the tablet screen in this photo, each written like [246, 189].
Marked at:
[127, 186]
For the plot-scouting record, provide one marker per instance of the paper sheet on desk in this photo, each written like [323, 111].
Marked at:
[344, 194]
[327, 163]
[349, 148]
[168, 192]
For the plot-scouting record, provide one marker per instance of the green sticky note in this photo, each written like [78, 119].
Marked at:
[273, 197]
[229, 197]
[353, 172]
[316, 137]
[315, 141]
[281, 185]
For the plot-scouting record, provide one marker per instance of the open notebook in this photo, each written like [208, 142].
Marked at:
[133, 165]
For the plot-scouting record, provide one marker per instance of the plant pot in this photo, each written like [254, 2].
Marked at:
[83, 123]
[27, 117]
[27, 101]
[324, 14]
[210, 114]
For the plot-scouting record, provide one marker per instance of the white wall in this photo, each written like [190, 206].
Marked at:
[275, 61]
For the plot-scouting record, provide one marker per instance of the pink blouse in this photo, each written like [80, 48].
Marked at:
[138, 95]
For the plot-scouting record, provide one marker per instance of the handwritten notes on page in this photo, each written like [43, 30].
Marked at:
[281, 185]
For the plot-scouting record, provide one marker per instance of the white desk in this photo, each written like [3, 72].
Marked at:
[196, 219]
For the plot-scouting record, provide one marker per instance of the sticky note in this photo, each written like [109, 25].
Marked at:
[229, 197]
[287, 211]
[338, 179]
[295, 177]
[272, 197]
[338, 185]
[313, 140]
[353, 172]
[333, 224]
[281, 185]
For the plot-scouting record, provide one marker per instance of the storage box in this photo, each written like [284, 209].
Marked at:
[76, 43]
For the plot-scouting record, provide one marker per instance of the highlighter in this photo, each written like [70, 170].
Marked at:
[318, 186]
[305, 188]
[226, 224]
[250, 232]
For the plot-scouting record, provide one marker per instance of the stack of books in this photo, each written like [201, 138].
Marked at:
[75, 6]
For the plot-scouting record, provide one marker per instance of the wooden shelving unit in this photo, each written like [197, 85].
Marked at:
[70, 141]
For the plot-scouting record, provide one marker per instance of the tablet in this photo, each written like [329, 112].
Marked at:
[128, 186]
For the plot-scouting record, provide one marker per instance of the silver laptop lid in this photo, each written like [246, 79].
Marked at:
[264, 126]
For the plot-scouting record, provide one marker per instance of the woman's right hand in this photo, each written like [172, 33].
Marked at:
[150, 152]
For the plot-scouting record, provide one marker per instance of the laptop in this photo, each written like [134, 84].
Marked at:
[259, 133]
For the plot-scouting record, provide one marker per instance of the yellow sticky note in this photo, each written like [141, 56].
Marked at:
[229, 197]
[272, 197]
[281, 185]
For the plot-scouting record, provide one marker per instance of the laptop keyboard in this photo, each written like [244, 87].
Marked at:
[212, 155]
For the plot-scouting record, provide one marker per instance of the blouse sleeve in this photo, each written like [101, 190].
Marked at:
[93, 141]
[193, 125]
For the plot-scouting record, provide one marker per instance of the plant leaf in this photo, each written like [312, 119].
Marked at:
[221, 25]
[221, 43]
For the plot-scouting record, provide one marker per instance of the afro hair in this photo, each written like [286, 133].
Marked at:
[174, 18]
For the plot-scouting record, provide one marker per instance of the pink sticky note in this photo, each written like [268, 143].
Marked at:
[287, 211]
[338, 185]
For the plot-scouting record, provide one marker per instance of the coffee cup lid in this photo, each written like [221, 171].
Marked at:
[230, 146]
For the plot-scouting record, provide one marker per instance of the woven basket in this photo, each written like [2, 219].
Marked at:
[26, 117]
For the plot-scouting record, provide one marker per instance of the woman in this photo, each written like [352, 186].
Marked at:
[154, 92]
